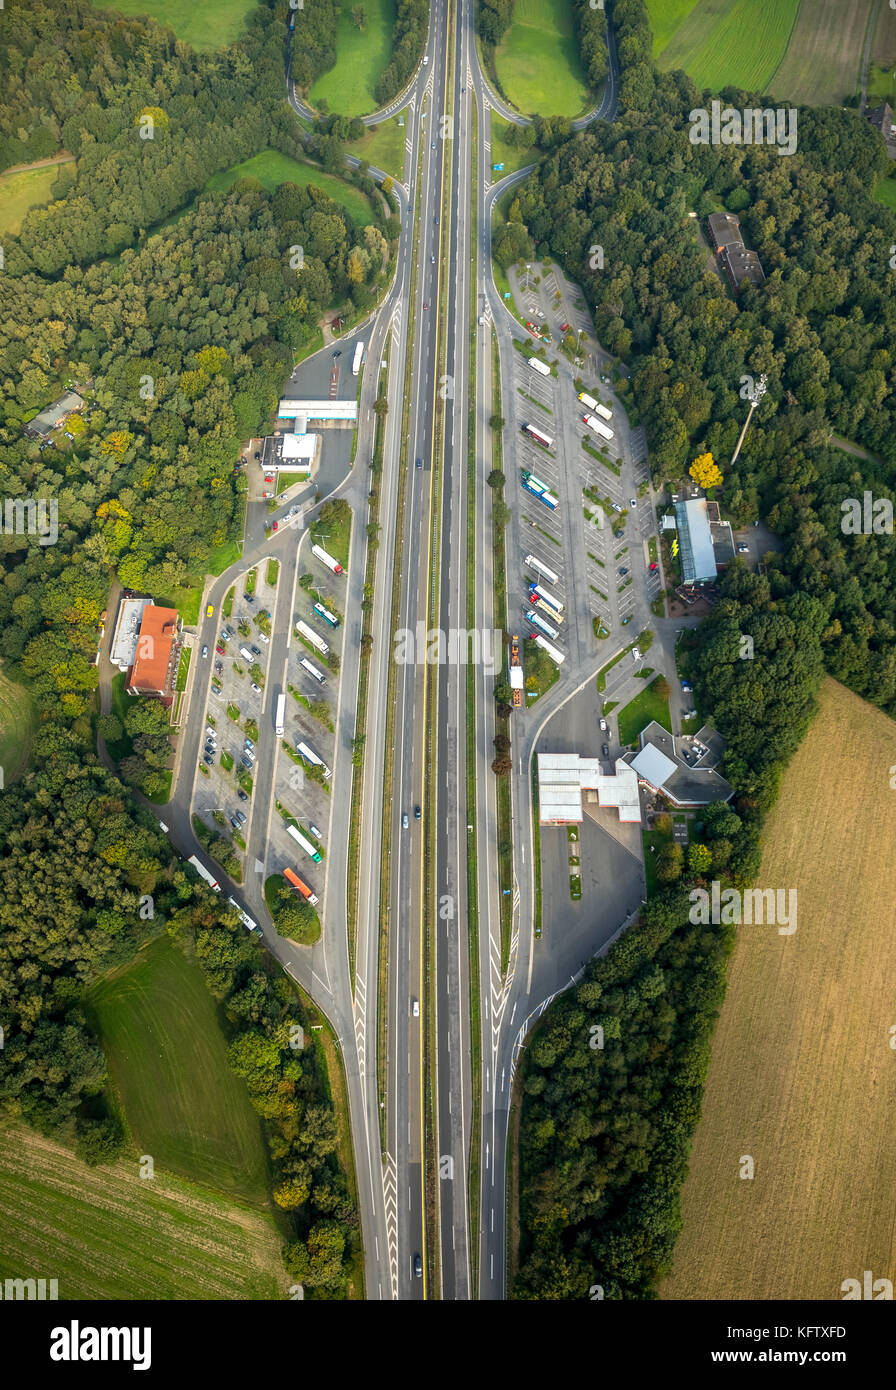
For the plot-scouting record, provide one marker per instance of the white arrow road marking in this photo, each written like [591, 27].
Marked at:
[390, 1199]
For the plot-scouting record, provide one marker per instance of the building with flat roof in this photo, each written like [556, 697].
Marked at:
[338, 412]
[155, 662]
[50, 419]
[123, 648]
[698, 560]
[563, 777]
[681, 769]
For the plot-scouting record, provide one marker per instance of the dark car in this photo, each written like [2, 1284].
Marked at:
[418, 1267]
[256, 651]
[250, 598]
[605, 749]
[416, 813]
[208, 760]
[234, 822]
[623, 571]
[419, 463]
[243, 796]
[337, 354]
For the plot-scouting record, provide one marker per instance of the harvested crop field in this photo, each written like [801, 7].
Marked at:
[105, 1233]
[803, 1074]
[824, 57]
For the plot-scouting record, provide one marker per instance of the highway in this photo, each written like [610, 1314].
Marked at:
[414, 1189]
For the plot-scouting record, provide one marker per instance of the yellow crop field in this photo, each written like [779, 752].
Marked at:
[803, 1073]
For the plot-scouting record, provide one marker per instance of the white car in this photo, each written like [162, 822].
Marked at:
[256, 688]
[262, 638]
[415, 1008]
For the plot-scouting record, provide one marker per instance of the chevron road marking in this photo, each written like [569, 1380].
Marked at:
[390, 1200]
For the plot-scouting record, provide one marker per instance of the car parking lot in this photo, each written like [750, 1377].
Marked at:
[236, 709]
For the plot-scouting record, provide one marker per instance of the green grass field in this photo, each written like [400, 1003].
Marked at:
[881, 86]
[18, 720]
[639, 712]
[106, 1233]
[508, 155]
[363, 56]
[665, 17]
[202, 23]
[538, 61]
[732, 41]
[885, 192]
[168, 1063]
[21, 192]
[272, 168]
[383, 146]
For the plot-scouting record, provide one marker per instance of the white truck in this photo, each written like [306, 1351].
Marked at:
[313, 637]
[280, 715]
[310, 756]
[326, 559]
[541, 367]
[598, 426]
[359, 353]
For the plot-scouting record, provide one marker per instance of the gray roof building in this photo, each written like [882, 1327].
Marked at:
[49, 419]
[741, 264]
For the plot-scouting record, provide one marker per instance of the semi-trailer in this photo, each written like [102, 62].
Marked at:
[313, 671]
[598, 426]
[557, 657]
[280, 715]
[306, 845]
[541, 367]
[540, 568]
[310, 756]
[537, 621]
[326, 559]
[203, 872]
[311, 636]
[301, 887]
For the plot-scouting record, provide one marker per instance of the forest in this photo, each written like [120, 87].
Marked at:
[822, 327]
[179, 339]
[613, 1079]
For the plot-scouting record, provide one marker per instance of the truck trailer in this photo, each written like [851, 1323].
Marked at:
[311, 757]
[301, 887]
[311, 636]
[326, 559]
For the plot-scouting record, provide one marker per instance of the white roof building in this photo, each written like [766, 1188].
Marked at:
[346, 411]
[123, 649]
[698, 561]
[562, 778]
[299, 446]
